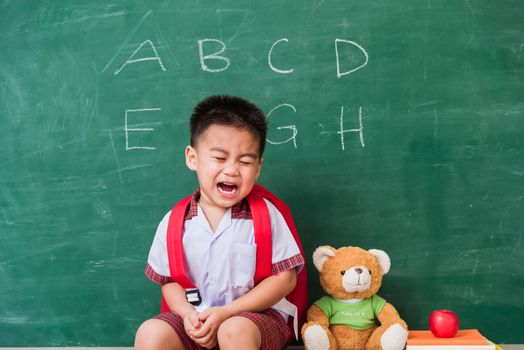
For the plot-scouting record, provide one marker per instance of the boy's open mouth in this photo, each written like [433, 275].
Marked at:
[227, 188]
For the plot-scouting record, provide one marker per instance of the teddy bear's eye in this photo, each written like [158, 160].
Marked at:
[342, 273]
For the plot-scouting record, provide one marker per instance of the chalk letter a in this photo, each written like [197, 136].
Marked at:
[132, 60]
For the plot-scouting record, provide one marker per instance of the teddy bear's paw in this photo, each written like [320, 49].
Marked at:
[316, 338]
[394, 338]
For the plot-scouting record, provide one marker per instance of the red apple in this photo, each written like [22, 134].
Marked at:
[443, 323]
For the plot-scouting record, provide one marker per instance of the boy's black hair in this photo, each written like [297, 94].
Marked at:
[230, 111]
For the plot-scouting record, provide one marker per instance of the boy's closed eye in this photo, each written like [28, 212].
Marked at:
[242, 162]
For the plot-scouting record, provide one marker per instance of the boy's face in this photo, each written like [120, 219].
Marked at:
[227, 162]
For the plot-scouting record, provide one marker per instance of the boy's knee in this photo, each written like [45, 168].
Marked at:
[156, 334]
[237, 329]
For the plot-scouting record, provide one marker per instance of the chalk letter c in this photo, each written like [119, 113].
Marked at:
[281, 71]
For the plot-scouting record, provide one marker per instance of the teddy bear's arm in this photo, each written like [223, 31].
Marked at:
[392, 333]
[316, 333]
[316, 315]
[389, 316]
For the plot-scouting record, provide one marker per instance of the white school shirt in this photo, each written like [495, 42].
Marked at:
[222, 264]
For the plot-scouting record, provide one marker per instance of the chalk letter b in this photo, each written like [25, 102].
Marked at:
[214, 56]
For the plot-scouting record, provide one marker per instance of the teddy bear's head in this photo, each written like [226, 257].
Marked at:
[350, 272]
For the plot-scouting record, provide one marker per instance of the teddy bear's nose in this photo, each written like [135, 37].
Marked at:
[358, 270]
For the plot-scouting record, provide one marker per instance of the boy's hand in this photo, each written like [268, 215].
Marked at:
[191, 322]
[212, 318]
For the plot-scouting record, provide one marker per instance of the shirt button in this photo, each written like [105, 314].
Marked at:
[212, 280]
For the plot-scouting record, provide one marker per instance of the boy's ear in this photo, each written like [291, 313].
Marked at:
[191, 158]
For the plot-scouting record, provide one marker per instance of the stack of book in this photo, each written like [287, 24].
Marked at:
[468, 339]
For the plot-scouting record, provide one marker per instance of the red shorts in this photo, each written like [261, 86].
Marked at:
[274, 331]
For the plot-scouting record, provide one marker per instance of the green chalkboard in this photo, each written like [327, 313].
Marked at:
[396, 125]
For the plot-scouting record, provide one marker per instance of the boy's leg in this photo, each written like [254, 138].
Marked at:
[157, 334]
[266, 330]
[239, 332]
[165, 331]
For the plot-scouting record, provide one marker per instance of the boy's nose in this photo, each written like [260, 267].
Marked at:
[231, 169]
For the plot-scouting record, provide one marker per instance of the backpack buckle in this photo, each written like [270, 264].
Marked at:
[193, 296]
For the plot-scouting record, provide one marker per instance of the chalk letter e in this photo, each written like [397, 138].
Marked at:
[127, 129]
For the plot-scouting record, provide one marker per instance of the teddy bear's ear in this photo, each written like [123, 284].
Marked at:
[383, 259]
[321, 255]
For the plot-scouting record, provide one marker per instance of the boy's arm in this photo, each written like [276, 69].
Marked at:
[264, 295]
[175, 297]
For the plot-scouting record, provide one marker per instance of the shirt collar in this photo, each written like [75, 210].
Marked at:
[240, 210]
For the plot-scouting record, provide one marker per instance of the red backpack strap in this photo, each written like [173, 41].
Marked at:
[262, 229]
[283, 209]
[299, 295]
[175, 250]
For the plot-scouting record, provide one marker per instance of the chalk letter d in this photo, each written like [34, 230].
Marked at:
[339, 73]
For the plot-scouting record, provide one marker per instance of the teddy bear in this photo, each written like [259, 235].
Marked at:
[346, 318]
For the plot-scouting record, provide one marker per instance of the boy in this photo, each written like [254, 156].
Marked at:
[227, 142]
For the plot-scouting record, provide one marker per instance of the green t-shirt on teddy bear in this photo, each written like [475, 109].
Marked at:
[360, 315]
